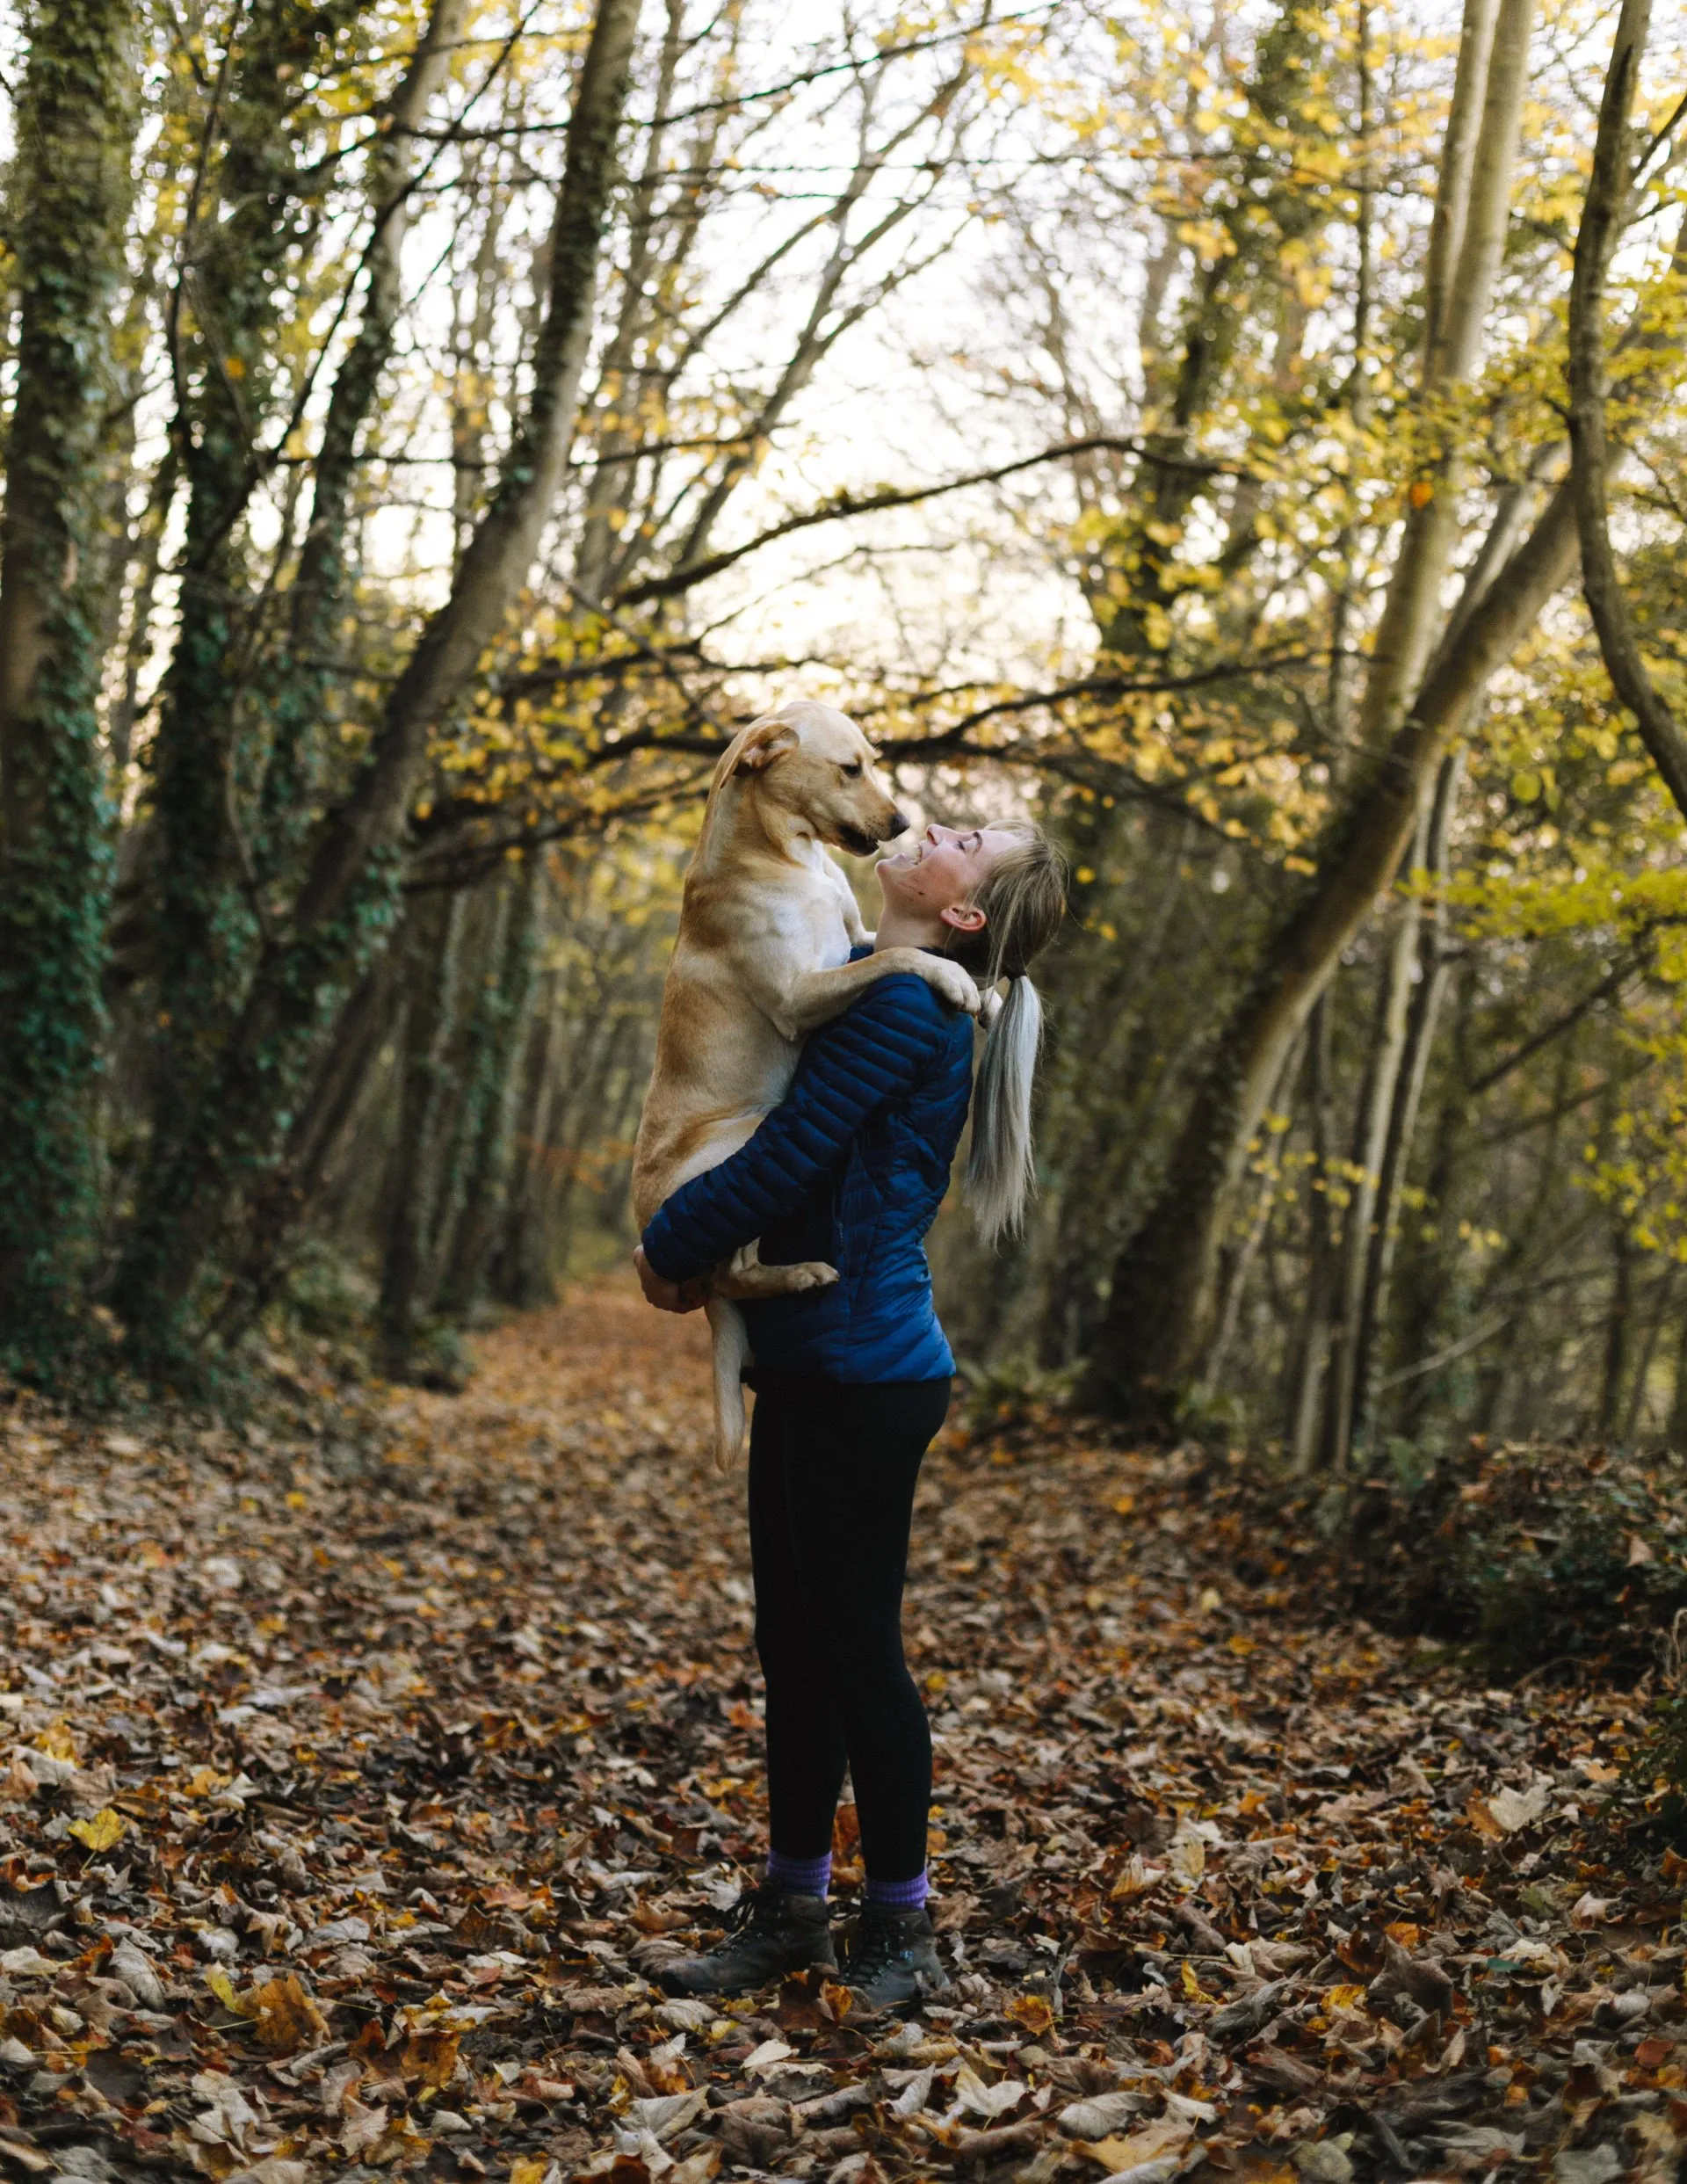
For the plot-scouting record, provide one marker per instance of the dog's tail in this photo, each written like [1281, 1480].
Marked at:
[731, 1355]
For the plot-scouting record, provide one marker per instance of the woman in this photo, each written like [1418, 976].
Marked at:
[852, 1383]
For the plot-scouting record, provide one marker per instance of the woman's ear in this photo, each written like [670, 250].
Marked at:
[964, 917]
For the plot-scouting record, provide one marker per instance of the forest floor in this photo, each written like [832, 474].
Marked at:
[355, 1776]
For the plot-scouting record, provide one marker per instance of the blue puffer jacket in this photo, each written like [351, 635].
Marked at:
[850, 1167]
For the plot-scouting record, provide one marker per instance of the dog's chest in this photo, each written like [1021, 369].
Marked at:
[810, 924]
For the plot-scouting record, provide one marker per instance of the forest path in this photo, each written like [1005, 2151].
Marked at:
[351, 1778]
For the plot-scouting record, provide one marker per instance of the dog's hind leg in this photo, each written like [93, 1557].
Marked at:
[744, 1276]
[731, 1339]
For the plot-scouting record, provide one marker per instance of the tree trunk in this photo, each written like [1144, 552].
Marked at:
[1425, 1283]
[76, 124]
[520, 1272]
[1674, 1433]
[234, 1133]
[1269, 1167]
[1472, 200]
[126, 707]
[500, 1019]
[1662, 1305]
[1609, 188]
[1159, 1311]
[1306, 1382]
[433, 938]
[1376, 1104]
[319, 587]
[1433, 965]
[1620, 1323]
[206, 913]
[296, 1187]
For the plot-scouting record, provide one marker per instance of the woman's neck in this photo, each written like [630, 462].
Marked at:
[898, 929]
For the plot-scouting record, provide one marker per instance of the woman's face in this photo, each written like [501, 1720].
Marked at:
[942, 871]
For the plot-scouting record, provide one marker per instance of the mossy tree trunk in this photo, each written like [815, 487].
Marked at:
[231, 1135]
[480, 1167]
[76, 123]
[207, 920]
[433, 934]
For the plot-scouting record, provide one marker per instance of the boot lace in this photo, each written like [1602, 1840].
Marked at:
[750, 1911]
[879, 1945]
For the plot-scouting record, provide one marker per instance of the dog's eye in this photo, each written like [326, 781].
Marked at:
[852, 771]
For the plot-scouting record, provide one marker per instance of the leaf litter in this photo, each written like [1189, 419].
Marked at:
[356, 1778]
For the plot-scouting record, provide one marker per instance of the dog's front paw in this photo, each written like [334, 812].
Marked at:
[813, 1273]
[958, 987]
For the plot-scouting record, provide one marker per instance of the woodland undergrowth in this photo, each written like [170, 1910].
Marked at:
[360, 1762]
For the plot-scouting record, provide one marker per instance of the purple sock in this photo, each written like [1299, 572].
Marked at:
[898, 1894]
[806, 1876]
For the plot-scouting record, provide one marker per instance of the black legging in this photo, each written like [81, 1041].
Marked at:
[832, 1472]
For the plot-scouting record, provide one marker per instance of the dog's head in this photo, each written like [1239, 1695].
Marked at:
[815, 763]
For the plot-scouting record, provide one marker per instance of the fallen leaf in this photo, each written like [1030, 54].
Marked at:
[430, 2057]
[101, 1831]
[1155, 2141]
[974, 2095]
[1032, 2013]
[1101, 2117]
[1516, 1809]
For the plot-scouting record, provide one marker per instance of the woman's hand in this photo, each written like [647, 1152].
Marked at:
[668, 1296]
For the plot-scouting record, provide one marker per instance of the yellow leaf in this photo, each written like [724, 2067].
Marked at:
[1135, 1878]
[219, 1984]
[528, 2169]
[99, 1833]
[431, 2056]
[1343, 1998]
[1482, 1819]
[1147, 2144]
[1032, 2012]
[288, 2016]
[57, 1742]
[1123, 1505]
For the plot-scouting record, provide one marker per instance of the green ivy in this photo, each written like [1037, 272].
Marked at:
[75, 125]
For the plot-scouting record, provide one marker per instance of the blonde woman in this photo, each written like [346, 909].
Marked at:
[852, 1383]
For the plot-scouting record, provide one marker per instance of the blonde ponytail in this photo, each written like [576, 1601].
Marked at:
[1002, 1173]
[1023, 898]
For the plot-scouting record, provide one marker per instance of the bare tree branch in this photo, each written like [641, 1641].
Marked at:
[845, 504]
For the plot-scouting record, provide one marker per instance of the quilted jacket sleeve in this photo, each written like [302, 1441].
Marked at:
[849, 1069]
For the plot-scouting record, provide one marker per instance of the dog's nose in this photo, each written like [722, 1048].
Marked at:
[895, 824]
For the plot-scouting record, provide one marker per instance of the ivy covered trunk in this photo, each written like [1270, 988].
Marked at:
[75, 121]
[219, 1149]
[209, 760]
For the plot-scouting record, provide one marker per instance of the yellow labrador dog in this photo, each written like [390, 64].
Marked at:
[766, 925]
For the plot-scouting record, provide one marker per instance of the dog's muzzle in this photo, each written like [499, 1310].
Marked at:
[859, 843]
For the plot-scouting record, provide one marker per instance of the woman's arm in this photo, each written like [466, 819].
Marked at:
[850, 1067]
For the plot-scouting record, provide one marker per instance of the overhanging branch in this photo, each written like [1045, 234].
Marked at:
[846, 504]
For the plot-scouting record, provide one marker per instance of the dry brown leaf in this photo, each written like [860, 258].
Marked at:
[1153, 2140]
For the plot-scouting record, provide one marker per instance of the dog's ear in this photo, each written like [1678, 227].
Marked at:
[766, 740]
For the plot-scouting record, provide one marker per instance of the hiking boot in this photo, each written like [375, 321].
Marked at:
[770, 1932]
[895, 1960]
